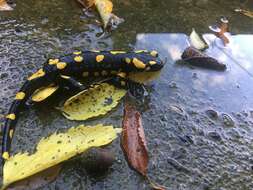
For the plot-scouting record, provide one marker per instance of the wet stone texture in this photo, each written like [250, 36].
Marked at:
[198, 123]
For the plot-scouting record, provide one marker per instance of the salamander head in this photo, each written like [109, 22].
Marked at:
[144, 61]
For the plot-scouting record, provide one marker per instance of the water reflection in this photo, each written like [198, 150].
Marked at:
[230, 90]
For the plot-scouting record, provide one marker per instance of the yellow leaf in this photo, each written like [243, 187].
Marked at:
[104, 8]
[44, 92]
[4, 6]
[93, 102]
[56, 149]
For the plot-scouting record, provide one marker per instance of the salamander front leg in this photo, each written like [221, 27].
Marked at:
[136, 89]
[71, 83]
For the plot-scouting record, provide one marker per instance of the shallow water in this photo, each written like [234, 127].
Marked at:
[198, 122]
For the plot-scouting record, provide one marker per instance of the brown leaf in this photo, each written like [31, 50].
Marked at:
[221, 35]
[245, 12]
[4, 6]
[154, 185]
[133, 140]
[38, 180]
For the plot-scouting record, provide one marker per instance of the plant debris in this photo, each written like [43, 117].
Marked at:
[104, 8]
[133, 140]
[4, 6]
[245, 12]
[194, 57]
[220, 29]
[196, 41]
[55, 149]
[97, 100]
[134, 143]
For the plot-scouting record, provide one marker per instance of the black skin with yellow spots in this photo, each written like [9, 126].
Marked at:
[66, 70]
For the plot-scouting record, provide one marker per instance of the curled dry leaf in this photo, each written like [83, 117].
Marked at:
[4, 6]
[221, 29]
[133, 140]
[38, 180]
[194, 57]
[196, 41]
[55, 149]
[104, 8]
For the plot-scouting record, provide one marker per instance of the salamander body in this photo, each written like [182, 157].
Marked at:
[67, 70]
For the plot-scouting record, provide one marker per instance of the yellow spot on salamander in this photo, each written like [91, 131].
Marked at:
[100, 58]
[123, 83]
[128, 60]
[154, 53]
[96, 74]
[122, 75]
[77, 52]
[11, 133]
[140, 51]
[20, 96]
[39, 73]
[117, 52]
[85, 74]
[78, 59]
[104, 73]
[61, 65]
[138, 63]
[11, 116]
[152, 62]
[53, 61]
[6, 155]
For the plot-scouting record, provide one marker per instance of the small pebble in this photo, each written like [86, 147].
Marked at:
[227, 120]
[212, 114]
[173, 85]
[215, 136]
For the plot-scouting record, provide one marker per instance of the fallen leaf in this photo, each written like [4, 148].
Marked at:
[133, 140]
[104, 8]
[194, 57]
[38, 180]
[221, 29]
[4, 6]
[196, 41]
[93, 102]
[245, 12]
[43, 93]
[55, 149]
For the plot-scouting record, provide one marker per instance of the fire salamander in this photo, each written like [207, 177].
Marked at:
[67, 70]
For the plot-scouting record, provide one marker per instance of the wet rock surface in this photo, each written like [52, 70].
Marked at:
[199, 130]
